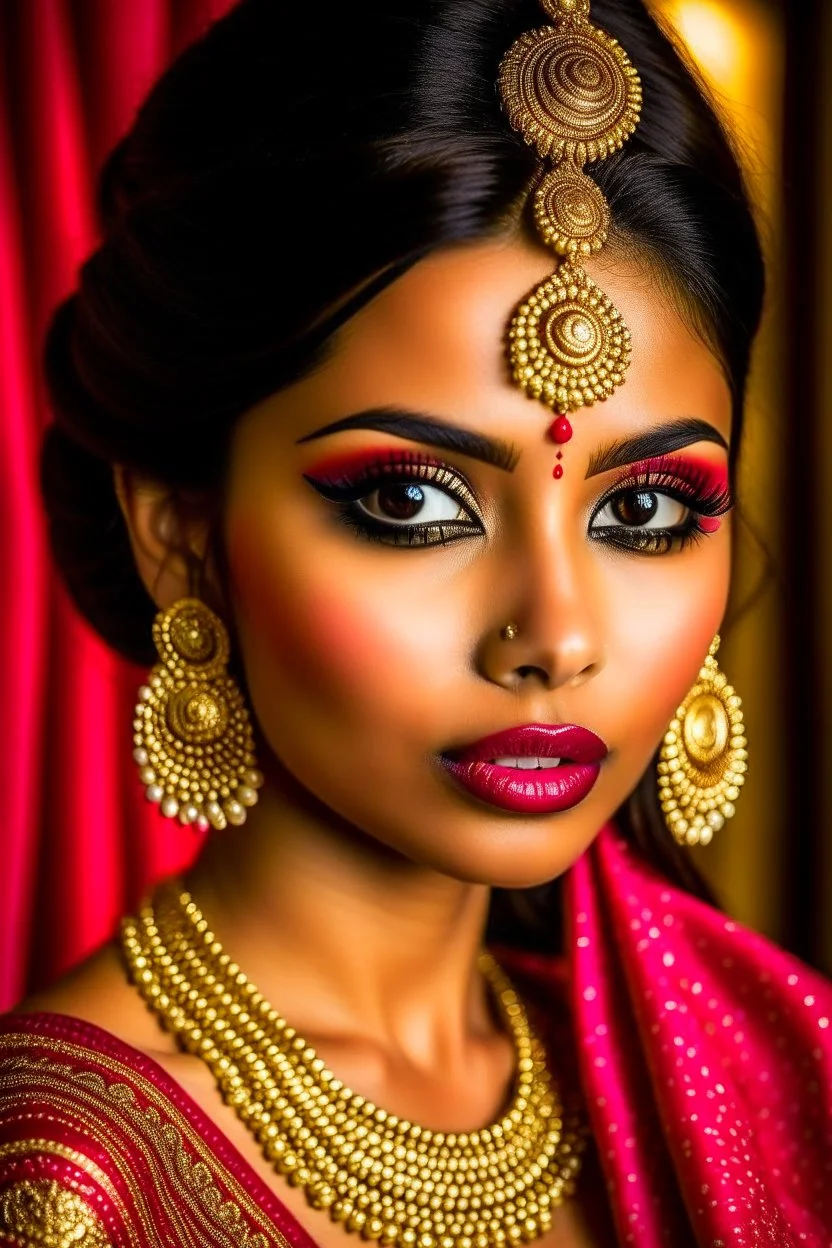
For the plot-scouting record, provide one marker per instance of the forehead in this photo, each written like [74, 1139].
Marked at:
[435, 340]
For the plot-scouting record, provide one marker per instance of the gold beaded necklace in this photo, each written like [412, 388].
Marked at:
[391, 1180]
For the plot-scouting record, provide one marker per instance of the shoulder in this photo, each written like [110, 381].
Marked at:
[66, 1091]
[99, 1144]
[98, 992]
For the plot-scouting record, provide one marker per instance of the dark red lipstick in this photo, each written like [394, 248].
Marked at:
[531, 769]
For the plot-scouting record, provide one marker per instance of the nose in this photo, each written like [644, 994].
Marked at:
[553, 597]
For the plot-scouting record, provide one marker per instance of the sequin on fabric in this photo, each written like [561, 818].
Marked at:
[706, 1054]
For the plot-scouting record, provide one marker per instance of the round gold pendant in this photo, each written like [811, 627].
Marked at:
[189, 634]
[568, 344]
[571, 90]
[703, 760]
[570, 212]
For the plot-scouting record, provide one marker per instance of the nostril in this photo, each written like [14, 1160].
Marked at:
[531, 669]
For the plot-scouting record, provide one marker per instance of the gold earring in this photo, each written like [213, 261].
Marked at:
[704, 758]
[192, 732]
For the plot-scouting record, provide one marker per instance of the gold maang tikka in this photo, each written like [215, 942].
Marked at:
[572, 92]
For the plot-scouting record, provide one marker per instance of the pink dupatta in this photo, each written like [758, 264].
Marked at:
[705, 1055]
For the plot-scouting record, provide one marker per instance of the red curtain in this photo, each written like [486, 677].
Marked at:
[79, 842]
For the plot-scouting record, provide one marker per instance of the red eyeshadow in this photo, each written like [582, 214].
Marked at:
[715, 476]
[353, 463]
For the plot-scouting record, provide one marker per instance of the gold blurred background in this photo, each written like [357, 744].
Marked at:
[763, 63]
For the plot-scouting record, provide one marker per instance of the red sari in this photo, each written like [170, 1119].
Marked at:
[96, 1135]
[700, 1051]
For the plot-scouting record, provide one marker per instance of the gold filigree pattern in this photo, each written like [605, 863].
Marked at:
[558, 10]
[570, 212]
[38, 1212]
[704, 757]
[572, 92]
[189, 633]
[198, 716]
[194, 743]
[568, 343]
[44, 1147]
[175, 1157]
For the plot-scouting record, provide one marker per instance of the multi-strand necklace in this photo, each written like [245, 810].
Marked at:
[385, 1177]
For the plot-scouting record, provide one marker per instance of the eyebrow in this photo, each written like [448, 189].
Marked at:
[431, 430]
[658, 441]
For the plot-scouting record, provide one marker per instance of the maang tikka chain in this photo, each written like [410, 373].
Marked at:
[572, 92]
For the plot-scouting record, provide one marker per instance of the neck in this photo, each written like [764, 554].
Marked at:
[344, 936]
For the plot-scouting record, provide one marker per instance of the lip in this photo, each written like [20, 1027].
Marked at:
[528, 792]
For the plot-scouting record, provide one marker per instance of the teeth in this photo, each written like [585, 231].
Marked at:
[527, 764]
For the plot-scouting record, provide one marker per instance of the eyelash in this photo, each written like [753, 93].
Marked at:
[346, 491]
[687, 483]
[696, 489]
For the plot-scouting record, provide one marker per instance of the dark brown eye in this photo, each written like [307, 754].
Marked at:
[400, 500]
[636, 506]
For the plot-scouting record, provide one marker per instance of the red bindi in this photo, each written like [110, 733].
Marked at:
[560, 430]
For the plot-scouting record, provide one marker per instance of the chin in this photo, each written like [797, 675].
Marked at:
[515, 861]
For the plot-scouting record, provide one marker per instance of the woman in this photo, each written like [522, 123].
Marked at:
[284, 413]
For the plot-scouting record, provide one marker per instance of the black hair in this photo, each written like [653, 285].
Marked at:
[284, 169]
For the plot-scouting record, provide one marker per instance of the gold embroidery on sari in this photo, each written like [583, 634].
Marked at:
[184, 1169]
[27, 1148]
[44, 1212]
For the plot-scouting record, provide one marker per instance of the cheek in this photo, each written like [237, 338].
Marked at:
[333, 635]
[664, 642]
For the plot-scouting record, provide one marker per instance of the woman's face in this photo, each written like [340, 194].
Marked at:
[372, 647]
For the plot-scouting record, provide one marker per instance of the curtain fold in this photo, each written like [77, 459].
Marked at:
[80, 843]
[23, 625]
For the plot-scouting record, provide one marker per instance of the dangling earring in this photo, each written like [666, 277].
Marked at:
[193, 737]
[704, 759]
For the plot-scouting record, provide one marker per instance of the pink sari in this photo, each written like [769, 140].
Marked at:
[702, 1055]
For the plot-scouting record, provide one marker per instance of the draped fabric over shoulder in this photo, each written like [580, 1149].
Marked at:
[706, 1061]
[98, 1144]
[701, 1049]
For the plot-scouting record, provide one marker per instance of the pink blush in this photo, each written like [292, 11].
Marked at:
[319, 633]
